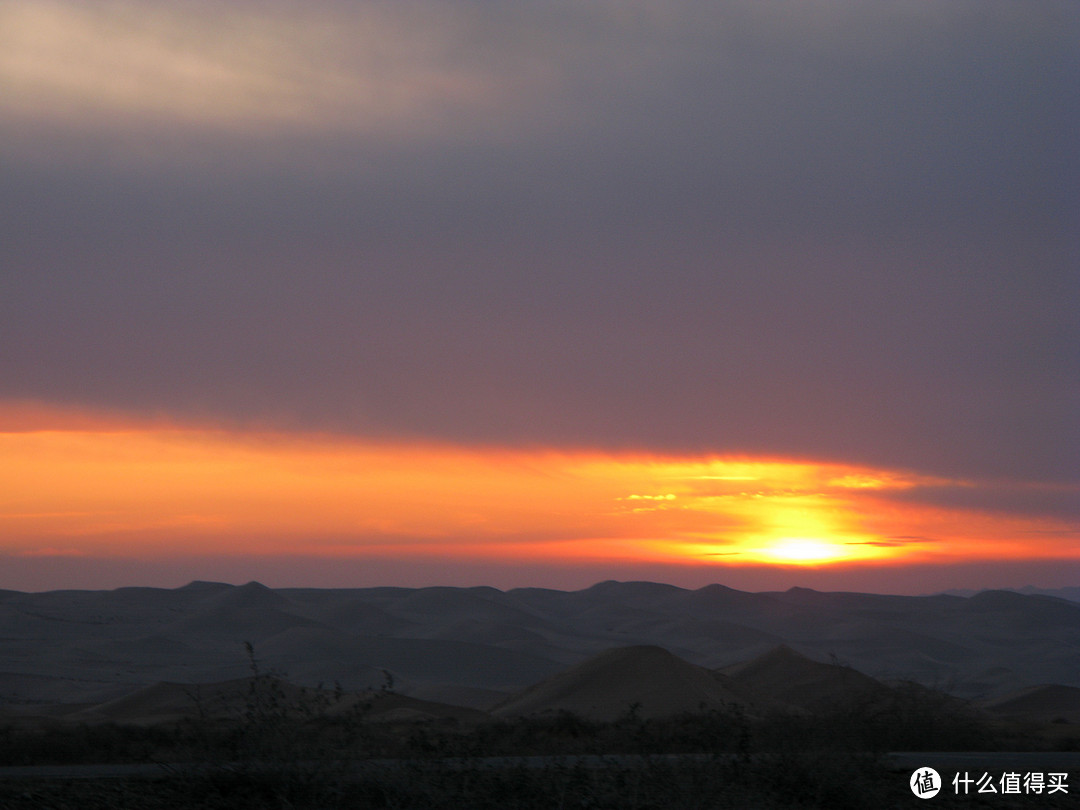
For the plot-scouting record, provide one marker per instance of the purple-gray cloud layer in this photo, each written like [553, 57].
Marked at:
[836, 229]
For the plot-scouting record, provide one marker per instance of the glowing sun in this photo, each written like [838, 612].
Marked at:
[805, 550]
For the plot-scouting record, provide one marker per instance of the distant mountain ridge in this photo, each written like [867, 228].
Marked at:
[1070, 593]
[477, 646]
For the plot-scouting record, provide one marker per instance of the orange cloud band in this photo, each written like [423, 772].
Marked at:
[79, 486]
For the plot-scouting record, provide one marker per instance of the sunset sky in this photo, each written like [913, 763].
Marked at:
[540, 293]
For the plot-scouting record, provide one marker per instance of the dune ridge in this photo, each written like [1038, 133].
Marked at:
[483, 645]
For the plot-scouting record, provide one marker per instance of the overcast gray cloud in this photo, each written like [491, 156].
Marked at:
[841, 229]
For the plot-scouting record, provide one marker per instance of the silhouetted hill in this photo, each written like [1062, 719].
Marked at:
[1045, 703]
[790, 678]
[647, 681]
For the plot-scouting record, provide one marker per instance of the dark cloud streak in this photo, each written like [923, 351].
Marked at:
[831, 230]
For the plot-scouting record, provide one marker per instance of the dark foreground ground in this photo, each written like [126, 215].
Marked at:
[810, 780]
[274, 756]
